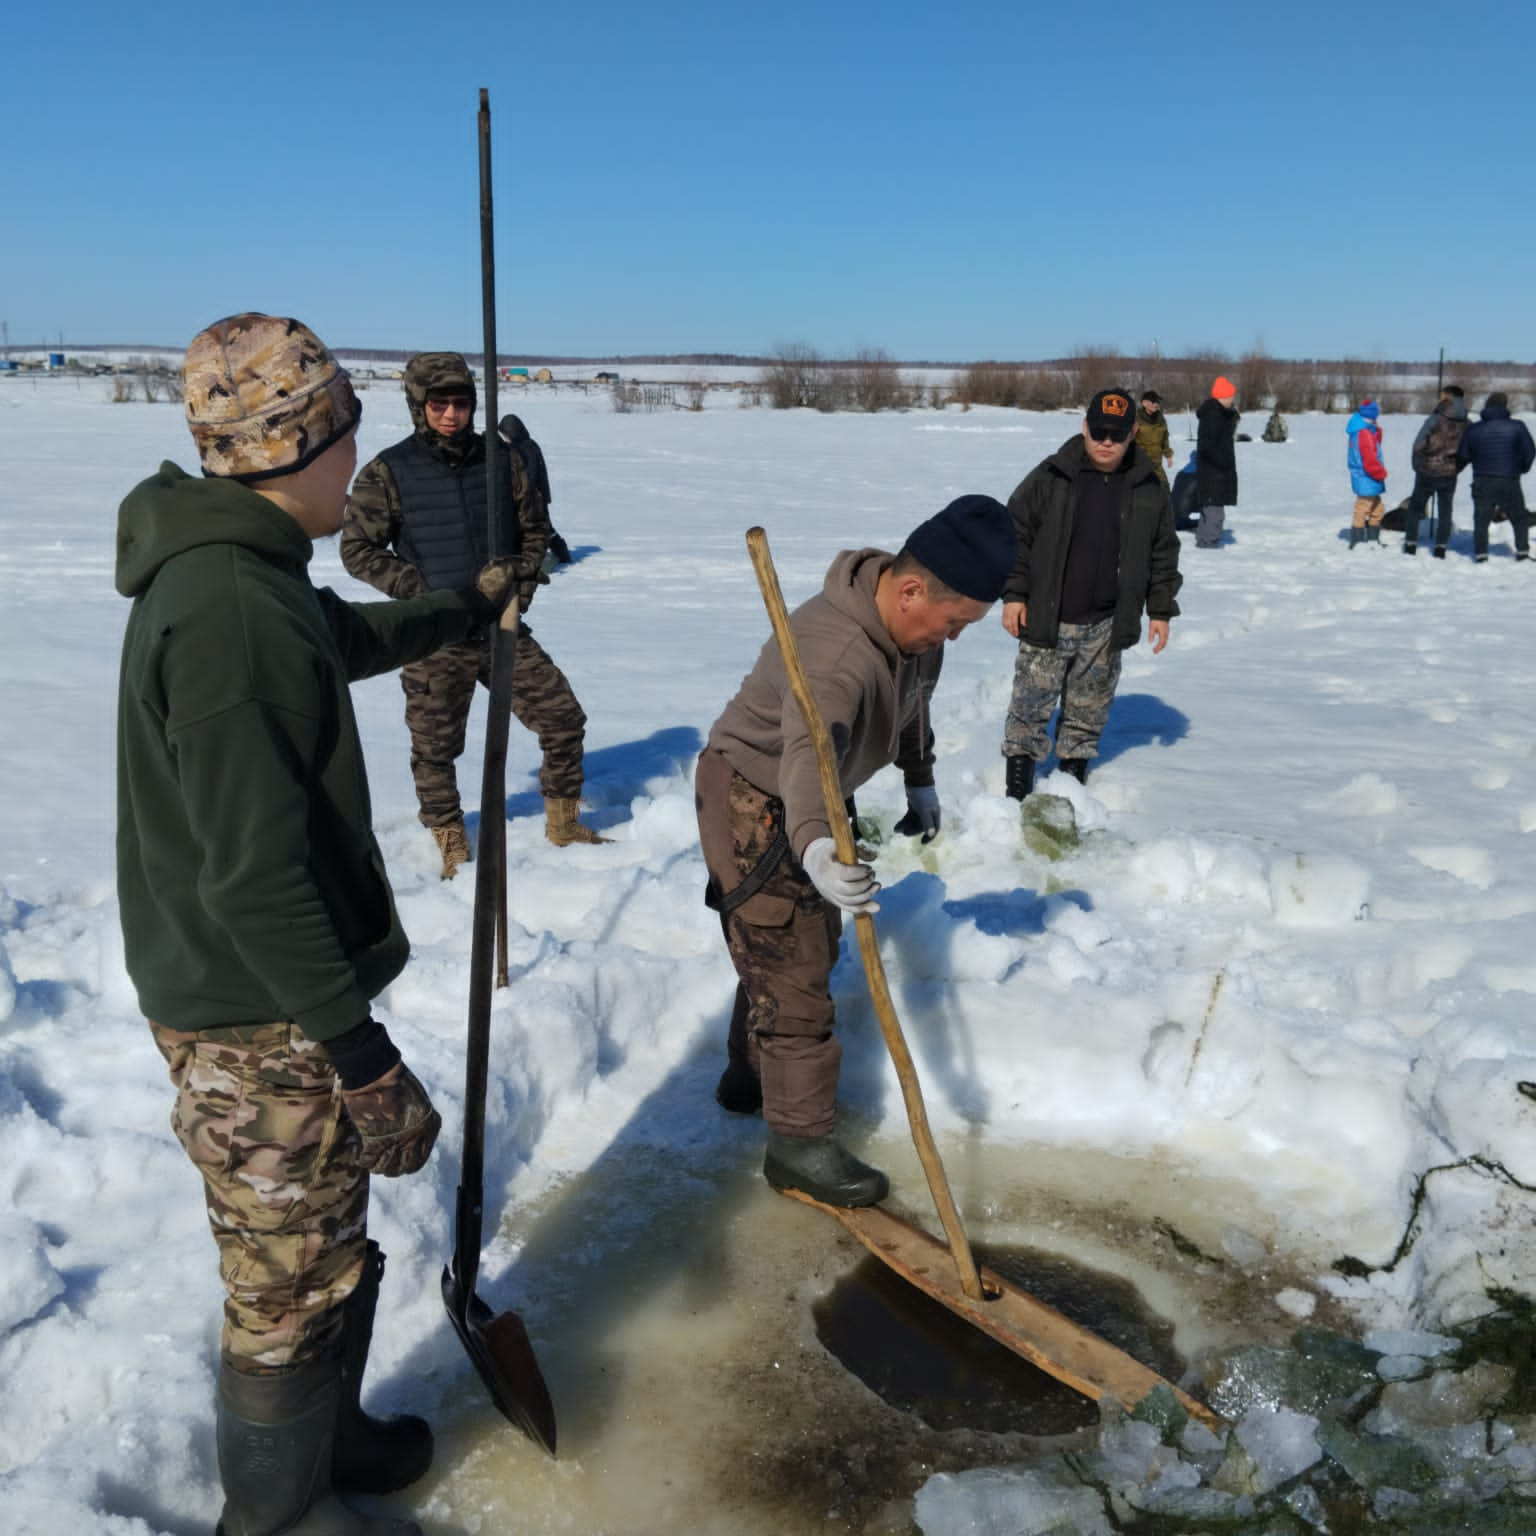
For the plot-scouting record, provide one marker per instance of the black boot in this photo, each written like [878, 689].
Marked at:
[819, 1167]
[739, 1090]
[274, 1440]
[372, 1455]
[1410, 547]
[1021, 776]
[1355, 535]
[1373, 534]
[1077, 767]
[1439, 551]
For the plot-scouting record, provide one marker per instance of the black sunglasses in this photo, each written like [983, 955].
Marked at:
[1109, 434]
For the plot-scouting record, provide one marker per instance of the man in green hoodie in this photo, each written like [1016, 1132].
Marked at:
[257, 919]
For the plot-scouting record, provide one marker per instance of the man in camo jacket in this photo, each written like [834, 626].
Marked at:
[257, 919]
[415, 522]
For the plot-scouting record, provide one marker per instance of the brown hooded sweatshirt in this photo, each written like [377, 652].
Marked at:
[873, 699]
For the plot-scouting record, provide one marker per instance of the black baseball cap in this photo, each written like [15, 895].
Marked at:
[1110, 413]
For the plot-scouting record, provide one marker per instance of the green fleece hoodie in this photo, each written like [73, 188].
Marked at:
[250, 885]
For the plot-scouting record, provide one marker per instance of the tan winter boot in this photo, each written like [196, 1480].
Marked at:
[562, 827]
[453, 845]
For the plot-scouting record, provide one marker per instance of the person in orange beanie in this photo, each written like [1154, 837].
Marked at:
[1215, 462]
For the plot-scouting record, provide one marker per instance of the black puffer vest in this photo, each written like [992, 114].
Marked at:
[443, 529]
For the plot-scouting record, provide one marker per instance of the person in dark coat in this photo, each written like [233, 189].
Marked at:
[1216, 462]
[517, 437]
[1435, 469]
[1186, 504]
[1096, 547]
[1500, 450]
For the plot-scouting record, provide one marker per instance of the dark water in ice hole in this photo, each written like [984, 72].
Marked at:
[921, 1358]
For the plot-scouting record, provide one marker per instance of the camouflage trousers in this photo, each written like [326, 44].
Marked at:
[1080, 672]
[259, 1112]
[783, 941]
[438, 694]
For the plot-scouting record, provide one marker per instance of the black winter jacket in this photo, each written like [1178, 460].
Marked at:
[1215, 456]
[1498, 446]
[1044, 506]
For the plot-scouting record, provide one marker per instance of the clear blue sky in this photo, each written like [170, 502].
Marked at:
[948, 180]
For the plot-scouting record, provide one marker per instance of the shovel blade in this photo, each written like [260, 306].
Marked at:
[499, 1348]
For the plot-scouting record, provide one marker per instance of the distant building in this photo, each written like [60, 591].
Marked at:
[605, 378]
[543, 376]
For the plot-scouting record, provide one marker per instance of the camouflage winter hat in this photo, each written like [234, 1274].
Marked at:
[432, 373]
[264, 397]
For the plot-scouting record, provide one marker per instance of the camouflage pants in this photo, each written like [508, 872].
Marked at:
[438, 694]
[1080, 672]
[784, 943]
[259, 1111]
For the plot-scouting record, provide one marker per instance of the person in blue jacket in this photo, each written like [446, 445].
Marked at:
[1500, 450]
[1367, 474]
[1186, 504]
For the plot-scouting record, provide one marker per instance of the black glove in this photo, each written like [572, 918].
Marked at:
[922, 813]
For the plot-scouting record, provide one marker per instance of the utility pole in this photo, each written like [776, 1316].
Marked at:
[5, 339]
[1440, 380]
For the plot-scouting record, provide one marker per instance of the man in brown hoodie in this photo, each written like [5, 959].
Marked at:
[871, 644]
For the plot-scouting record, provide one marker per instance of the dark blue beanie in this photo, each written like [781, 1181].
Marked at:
[970, 546]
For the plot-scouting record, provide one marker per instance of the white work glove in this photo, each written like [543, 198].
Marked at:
[849, 887]
[922, 813]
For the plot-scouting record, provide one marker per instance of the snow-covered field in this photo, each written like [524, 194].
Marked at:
[1289, 968]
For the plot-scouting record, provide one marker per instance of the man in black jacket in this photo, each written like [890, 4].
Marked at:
[1500, 450]
[1215, 462]
[1096, 547]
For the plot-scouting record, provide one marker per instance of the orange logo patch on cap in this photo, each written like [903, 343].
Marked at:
[1115, 405]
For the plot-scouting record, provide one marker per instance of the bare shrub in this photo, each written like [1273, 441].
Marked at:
[1187, 380]
[1359, 379]
[693, 394]
[991, 384]
[793, 377]
[834, 387]
[874, 381]
[1092, 369]
[120, 392]
[1254, 377]
[1295, 386]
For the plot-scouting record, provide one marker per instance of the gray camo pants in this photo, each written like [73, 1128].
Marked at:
[1080, 672]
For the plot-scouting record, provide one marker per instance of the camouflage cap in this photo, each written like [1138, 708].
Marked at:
[431, 373]
[264, 397]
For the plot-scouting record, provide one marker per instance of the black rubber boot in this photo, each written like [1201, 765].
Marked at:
[739, 1090]
[1439, 551]
[1021, 776]
[1373, 534]
[372, 1455]
[1355, 535]
[1077, 767]
[821, 1168]
[274, 1441]
[1410, 547]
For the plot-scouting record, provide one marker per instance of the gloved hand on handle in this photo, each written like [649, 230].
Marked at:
[849, 887]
